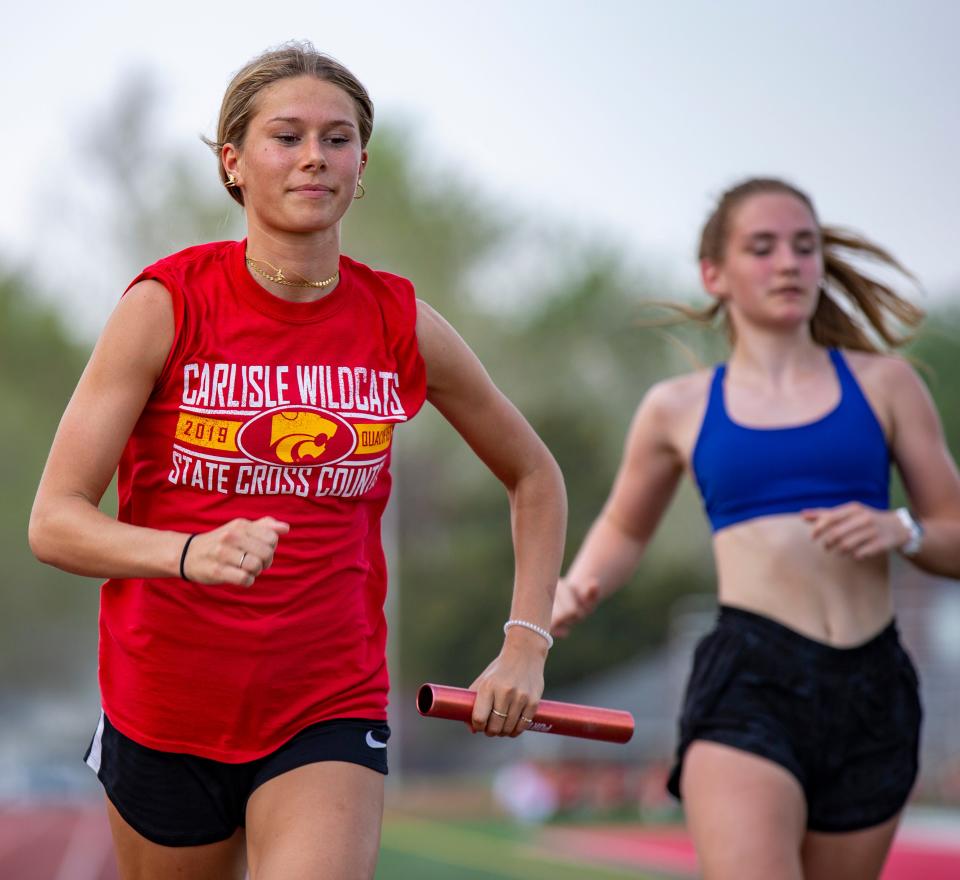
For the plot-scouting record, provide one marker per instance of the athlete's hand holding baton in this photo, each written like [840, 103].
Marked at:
[566, 719]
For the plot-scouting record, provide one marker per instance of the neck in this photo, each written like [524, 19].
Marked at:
[761, 352]
[313, 256]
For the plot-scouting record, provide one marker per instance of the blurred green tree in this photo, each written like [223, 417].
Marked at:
[48, 616]
[152, 198]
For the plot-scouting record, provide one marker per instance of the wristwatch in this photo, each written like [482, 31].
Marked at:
[913, 544]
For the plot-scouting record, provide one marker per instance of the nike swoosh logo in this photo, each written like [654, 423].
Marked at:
[374, 743]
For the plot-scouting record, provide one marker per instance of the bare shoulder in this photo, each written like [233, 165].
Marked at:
[149, 291]
[883, 373]
[670, 414]
[428, 317]
[894, 390]
[425, 312]
[675, 398]
[435, 335]
[443, 350]
[140, 332]
[145, 306]
[150, 295]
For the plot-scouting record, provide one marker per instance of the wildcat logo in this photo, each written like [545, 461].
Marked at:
[299, 435]
[304, 436]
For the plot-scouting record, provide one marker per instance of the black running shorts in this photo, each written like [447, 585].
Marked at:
[844, 721]
[181, 800]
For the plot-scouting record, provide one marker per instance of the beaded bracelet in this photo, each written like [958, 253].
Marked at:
[539, 630]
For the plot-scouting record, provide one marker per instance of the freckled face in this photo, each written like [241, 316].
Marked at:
[773, 262]
[301, 157]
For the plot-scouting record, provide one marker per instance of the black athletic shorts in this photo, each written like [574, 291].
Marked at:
[844, 721]
[181, 800]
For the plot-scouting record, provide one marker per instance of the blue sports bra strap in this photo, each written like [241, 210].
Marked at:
[839, 362]
[848, 382]
[715, 405]
[849, 386]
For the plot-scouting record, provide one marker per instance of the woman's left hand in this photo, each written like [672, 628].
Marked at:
[857, 530]
[509, 689]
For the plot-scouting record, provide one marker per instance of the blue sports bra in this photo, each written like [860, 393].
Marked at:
[744, 473]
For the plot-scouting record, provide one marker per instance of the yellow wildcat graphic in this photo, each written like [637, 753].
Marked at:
[297, 436]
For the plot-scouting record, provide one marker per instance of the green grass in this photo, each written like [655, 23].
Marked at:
[426, 849]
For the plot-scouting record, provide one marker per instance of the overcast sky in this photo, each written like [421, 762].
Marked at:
[620, 118]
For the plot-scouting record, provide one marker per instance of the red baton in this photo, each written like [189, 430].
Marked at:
[566, 719]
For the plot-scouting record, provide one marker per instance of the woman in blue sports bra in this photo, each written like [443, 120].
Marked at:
[800, 726]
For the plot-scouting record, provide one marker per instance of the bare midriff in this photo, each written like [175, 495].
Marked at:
[773, 567]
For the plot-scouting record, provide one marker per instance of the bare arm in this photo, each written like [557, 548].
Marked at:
[649, 473]
[459, 387]
[929, 476]
[929, 473]
[67, 528]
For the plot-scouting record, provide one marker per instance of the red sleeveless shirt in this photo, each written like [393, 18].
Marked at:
[264, 408]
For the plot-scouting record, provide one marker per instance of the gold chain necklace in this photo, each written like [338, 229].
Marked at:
[279, 278]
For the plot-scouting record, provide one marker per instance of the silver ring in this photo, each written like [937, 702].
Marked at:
[499, 714]
[528, 720]
[242, 557]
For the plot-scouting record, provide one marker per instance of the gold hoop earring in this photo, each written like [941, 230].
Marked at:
[361, 192]
[230, 182]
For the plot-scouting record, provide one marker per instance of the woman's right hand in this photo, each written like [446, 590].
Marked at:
[574, 601]
[235, 553]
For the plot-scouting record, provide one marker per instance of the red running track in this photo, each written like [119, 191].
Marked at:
[46, 842]
[72, 842]
[917, 852]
